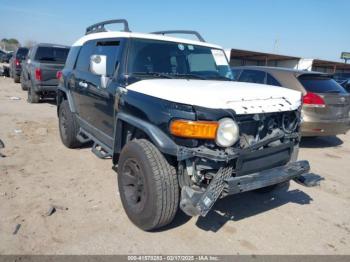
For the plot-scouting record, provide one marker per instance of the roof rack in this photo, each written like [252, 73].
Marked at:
[187, 32]
[100, 27]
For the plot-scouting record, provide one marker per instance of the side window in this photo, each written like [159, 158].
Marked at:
[270, 80]
[252, 76]
[86, 51]
[72, 57]
[109, 48]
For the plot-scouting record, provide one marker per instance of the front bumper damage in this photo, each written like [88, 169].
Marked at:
[199, 202]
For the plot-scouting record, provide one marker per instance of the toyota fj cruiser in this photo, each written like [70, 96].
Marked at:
[180, 132]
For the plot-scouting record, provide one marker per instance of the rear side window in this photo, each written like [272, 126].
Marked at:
[270, 80]
[320, 84]
[21, 53]
[51, 54]
[72, 57]
[252, 76]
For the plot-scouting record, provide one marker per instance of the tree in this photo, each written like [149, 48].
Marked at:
[9, 44]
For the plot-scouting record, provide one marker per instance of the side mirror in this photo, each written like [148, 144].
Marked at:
[98, 65]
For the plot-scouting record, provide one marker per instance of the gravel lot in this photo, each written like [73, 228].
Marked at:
[38, 172]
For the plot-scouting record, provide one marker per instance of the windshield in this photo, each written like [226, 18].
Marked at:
[52, 54]
[152, 58]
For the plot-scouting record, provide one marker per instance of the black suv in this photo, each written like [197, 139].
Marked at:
[179, 131]
[16, 63]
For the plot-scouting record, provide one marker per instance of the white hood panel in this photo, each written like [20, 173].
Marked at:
[243, 98]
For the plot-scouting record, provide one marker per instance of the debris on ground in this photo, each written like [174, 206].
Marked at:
[18, 226]
[15, 98]
[2, 145]
[18, 131]
[53, 209]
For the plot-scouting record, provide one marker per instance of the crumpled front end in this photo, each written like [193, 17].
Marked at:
[264, 155]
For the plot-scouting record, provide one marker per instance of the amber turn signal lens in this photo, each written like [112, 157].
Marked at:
[194, 129]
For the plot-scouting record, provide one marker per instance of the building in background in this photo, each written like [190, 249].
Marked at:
[239, 57]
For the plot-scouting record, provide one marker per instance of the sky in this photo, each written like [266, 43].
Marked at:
[303, 28]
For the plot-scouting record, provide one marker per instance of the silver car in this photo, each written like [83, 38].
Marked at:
[326, 105]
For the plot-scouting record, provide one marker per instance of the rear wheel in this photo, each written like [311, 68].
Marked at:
[23, 85]
[148, 185]
[68, 126]
[33, 97]
[16, 79]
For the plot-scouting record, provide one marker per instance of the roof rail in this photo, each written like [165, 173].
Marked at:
[187, 32]
[100, 27]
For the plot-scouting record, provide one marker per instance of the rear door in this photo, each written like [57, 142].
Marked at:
[337, 100]
[51, 59]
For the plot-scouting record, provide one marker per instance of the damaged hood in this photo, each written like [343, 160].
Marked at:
[243, 98]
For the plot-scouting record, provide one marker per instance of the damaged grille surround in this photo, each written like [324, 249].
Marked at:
[266, 146]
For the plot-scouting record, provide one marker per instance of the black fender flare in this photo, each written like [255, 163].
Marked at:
[161, 140]
[69, 97]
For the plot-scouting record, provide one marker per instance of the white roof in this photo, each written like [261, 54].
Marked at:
[110, 34]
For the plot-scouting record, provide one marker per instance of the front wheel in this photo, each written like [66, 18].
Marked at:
[148, 185]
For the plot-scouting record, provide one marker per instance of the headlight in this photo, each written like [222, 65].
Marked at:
[227, 132]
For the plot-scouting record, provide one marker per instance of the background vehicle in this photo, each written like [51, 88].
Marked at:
[16, 63]
[343, 79]
[5, 58]
[326, 104]
[169, 115]
[40, 69]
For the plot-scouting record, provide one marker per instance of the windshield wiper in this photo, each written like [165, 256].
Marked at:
[189, 76]
[153, 74]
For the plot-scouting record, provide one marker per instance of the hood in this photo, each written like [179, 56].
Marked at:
[243, 98]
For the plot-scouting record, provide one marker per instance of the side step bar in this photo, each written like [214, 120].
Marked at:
[99, 149]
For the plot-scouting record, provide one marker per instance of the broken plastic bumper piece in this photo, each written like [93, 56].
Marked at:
[195, 202]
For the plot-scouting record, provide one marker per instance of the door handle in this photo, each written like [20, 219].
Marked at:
[83, 84]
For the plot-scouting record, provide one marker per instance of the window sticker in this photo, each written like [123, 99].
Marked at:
[190, 47]
[181, 47]
[219, 57]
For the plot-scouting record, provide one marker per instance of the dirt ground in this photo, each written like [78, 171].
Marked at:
[38, 172]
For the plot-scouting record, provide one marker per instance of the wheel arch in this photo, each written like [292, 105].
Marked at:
[64, 94]
[129, 127]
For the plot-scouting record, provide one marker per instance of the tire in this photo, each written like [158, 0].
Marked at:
[68, 126]
[281, 186]
[23, 85]
[33, 97]
[16, 79]
[148, 185]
